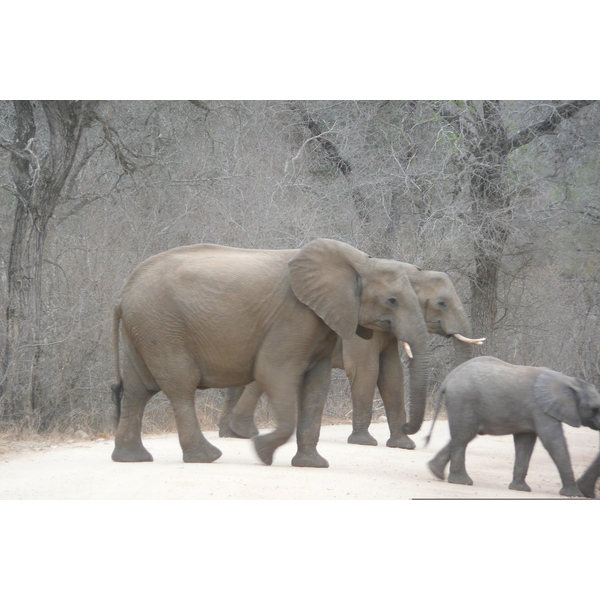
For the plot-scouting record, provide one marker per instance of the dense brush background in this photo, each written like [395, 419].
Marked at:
[396, 179]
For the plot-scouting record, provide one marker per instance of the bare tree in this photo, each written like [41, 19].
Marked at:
[487, 146]
[450, 186]
[42, 154]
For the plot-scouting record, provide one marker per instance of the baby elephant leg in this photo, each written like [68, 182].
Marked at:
[524, 443]
[458, 472]
[587, 482]
[463, 428]
[556, 445]
[438, 463]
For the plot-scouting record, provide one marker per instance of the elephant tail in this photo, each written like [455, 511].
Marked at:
[117, 388]
[440, 393]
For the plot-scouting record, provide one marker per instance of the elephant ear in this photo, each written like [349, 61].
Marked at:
[324, 275]
[558, 396]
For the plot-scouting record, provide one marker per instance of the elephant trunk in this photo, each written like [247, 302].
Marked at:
[461, 333]
[418, 370]
[462, 352]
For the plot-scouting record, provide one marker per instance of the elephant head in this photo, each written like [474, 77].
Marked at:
[568, 399]
[353, 292]
[443, 310]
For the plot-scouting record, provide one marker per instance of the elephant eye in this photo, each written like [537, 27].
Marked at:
[442, 304]
[392, 302]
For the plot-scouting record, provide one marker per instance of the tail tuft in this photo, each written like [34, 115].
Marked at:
[117, 395]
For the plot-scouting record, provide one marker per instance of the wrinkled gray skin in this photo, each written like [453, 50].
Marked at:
[208, 316]
[587, 482]
[373, 363]
[487, 396]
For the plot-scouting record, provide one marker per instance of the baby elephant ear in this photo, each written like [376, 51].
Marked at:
[324, 276]
[558, 396]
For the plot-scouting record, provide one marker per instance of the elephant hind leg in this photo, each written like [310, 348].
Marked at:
[128, 438]
[196, 448]
[242, 415]
[438, 463]
[463, 429]
[237, 420]
[266, 444]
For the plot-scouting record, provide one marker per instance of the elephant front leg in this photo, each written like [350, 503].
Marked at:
[587, 482]
[313, 395]
[285, 405]
[362, 388]
[391, 388]
[524, 443]
[551, 435]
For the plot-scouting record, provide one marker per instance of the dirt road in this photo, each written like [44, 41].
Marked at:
[84, 470]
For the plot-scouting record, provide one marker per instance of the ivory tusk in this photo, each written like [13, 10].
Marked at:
[467, 340]
[407, 349]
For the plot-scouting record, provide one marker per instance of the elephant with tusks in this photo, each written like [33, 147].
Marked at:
[374, 363]
[208, 316]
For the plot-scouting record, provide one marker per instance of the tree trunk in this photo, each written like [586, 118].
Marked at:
[39, 171]
[488, 145]
[335, 158]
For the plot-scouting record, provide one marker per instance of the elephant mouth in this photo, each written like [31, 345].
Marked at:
[386, 325]
[381, 325]
[436, 327]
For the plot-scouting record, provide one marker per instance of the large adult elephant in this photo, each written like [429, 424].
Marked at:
[207, 316]
[374, 362]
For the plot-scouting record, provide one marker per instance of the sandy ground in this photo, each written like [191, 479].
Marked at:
[84, 470]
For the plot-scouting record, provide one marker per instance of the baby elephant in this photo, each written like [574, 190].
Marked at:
[488, 396]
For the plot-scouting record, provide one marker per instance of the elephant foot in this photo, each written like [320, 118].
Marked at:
[586, 487]
[401, 441]
[137, 454]
[225, 431]
[520, 486]
[265, 448]
[460, 478]
[571, 490]
[131, 453]
[243, 427]
[201, 453]
[309, 459]
[363, 439]
[436, 469]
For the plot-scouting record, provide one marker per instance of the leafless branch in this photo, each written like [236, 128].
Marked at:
[548, 125]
